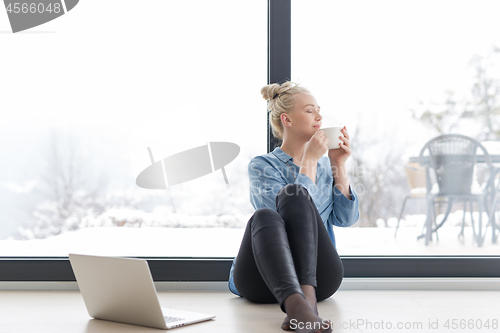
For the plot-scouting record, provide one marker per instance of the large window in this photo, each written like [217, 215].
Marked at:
[398, 73]
[85, 96]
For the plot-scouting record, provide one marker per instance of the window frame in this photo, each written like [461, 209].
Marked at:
[174, 269]
[44, 269]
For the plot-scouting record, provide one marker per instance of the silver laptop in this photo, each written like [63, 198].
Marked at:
[122, 290]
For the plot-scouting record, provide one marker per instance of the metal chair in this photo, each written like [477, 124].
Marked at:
[415, 174]
[453, 158]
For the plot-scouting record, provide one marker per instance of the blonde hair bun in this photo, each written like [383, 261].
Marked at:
[269, 91]
[280, 100]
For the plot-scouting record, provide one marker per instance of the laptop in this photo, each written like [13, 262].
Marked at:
[122, 290]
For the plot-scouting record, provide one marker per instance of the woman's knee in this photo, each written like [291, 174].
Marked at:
[292, 191]
[264, 213]
[265, 216]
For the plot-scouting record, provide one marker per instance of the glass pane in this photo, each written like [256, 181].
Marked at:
[85, 95]
[397, 74]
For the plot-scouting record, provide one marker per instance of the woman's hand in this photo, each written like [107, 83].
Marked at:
[338, 157]
[316, 147]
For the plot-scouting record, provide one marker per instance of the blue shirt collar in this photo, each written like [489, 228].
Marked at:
[280, 154]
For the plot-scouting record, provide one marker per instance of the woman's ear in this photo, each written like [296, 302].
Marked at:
[286, 120]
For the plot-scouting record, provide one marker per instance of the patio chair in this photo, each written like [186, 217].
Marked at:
[452, 158]
[415, 174]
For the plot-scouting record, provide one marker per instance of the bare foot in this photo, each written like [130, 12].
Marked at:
[302, 318]
[310, 295]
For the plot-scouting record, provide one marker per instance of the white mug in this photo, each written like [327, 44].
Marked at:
[333, 133]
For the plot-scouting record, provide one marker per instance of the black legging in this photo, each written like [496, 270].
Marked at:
[284, 249]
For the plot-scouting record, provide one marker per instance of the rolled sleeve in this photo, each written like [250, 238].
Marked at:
[345, 212]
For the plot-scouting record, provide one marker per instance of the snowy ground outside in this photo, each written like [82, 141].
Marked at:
[224, 242]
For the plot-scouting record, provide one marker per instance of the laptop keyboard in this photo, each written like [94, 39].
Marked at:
[171, 319]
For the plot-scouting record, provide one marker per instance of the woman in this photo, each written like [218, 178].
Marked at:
[288, 254]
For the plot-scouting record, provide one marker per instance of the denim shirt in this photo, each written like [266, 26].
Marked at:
[269, 173]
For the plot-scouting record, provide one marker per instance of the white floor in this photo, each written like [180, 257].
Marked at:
[349, 311]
